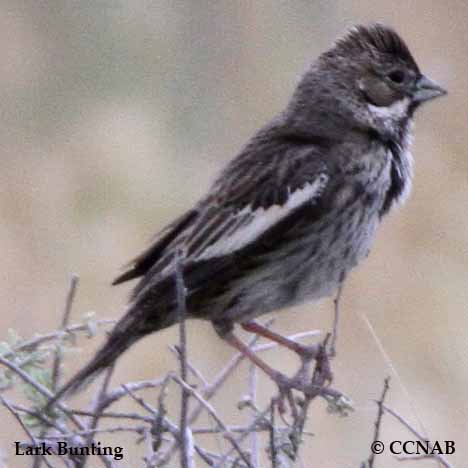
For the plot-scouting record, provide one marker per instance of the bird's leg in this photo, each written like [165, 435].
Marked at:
[284, 383]
[305, 352]
[237, 343]
[336, 318]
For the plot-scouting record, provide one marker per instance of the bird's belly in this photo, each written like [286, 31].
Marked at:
[341, 249]
[310, 267]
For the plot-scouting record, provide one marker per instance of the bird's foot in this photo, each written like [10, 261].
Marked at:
[285, 386]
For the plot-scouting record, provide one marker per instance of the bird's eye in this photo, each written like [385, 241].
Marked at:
[397, 76]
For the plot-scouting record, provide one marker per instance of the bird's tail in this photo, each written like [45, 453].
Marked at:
[105, 357]
[126, 332]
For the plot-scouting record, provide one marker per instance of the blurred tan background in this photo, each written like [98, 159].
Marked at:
[114, 118]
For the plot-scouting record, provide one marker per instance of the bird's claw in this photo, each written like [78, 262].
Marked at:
[306, 353]
[285, 393]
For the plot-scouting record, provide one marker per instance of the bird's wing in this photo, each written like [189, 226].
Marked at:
[253, 194]
[227, 228]
[143, 262]
[250, 197]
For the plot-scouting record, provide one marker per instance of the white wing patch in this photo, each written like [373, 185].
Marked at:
[257, 222]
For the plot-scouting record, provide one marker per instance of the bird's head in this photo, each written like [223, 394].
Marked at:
[368, 79]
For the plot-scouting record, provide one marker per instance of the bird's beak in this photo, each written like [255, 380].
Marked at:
[427, 89]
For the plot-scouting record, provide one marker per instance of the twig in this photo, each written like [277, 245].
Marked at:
[97, 410]
[157, 426]
[273, 450]
[40, 388]
[209, 392]
[189, 447]
[205, 456]
[196, 373]
[212, 412]
[108, 430]
[209, 408]
[408, 426]
[56, 365]
[40, 417]
[25, 428]
[141, 402]
[378, 421]
[148, 437]
[252, 384]
[164, 437]
[116, 394]
[65, 319]
[261, 426]
[168, 425]
[115, 415]
[33, 343]
[415, 458]
[320, 377]
[241, 438]
[392, 367]
[182, 348]
[236, 446]
[47, 393]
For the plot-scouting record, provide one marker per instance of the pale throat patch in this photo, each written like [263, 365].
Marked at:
[390, 117]
[261, 219]
[393, 113]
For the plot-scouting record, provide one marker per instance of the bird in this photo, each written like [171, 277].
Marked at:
[295, 211]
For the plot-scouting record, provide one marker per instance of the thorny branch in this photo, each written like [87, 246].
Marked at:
[378, 421]
[186, 454]
[57, 362]
[440, 458]
[268, 439]
[382, 409]
[65, 321]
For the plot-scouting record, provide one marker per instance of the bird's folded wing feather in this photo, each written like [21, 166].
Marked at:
[229, 230]
[143, 262]
[243, 204]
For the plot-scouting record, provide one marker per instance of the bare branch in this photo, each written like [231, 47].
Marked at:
[402, 420]
[182, 349]
[58, 349]
[164, 435]
[114, 395]
[15, 414]
[378, 421]
[252, 385]
[34, 343]
[40, 388]
[65, 319]
[209, 392]
[272, 439]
